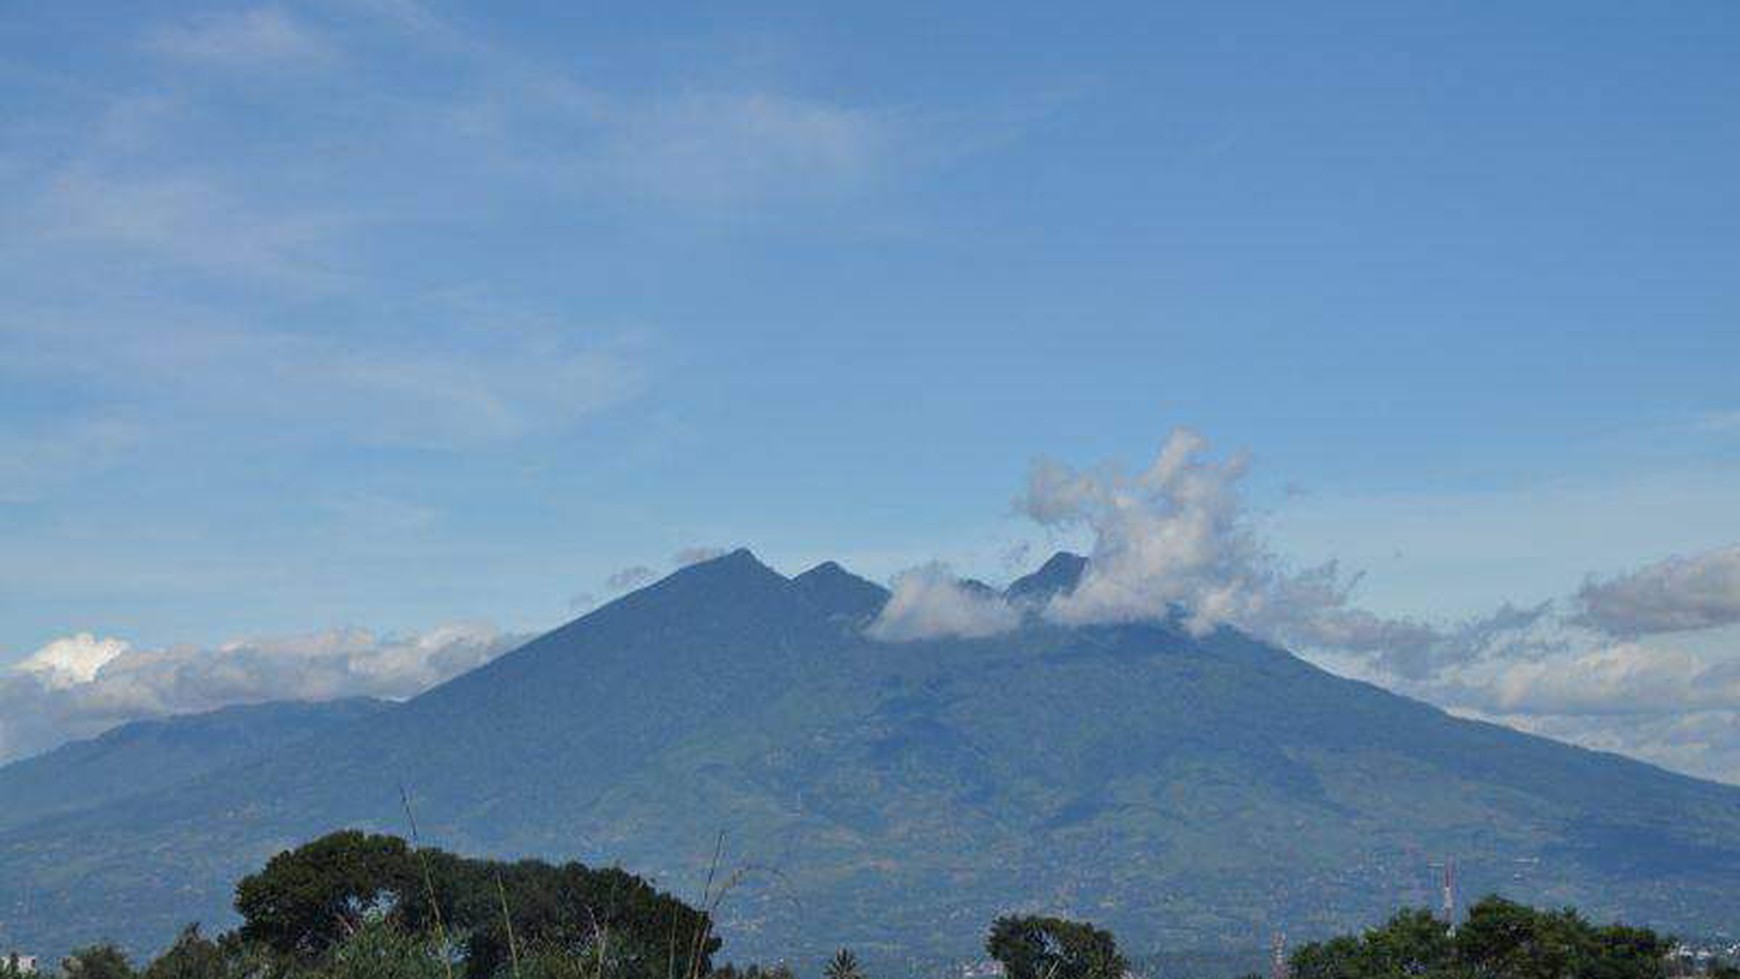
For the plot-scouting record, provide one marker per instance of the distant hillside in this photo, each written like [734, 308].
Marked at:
[1190, 793]
[145, 756]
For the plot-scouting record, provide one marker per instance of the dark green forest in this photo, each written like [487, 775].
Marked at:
[352, 905]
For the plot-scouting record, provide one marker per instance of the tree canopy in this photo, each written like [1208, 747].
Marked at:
[309, 900]
[1033, 947]
[1499, 940]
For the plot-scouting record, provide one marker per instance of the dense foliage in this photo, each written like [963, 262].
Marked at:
[1499, 940]
[356, 906]
[1031, 947]
[314, 900]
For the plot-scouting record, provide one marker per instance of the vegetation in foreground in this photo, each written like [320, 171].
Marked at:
[358, 906]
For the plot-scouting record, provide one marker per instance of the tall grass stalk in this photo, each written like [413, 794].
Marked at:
[507, 921]
[428, 884]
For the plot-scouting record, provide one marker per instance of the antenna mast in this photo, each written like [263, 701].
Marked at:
[1450, 891]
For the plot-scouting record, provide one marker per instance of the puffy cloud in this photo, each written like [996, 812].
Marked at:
[71, 660]
[1168, 538]
[930, 602]
[1676, 595]
[81, 684]
[1174, 540]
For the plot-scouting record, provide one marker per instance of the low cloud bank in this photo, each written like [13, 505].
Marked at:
[79, 685]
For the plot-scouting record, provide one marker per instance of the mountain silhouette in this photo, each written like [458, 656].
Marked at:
[1190, 792]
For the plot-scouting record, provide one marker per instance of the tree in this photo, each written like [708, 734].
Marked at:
[104, 961]
[193, 956]
[1033, 947]
[308, 900]
[379, 951]
[844, 965]
[1499, 940]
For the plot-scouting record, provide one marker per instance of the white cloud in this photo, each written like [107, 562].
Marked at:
[930, 602]
[241, 39]
[1701, 591]
[71, 660]
[1175, 540]
[1626, 678]
[79, 685]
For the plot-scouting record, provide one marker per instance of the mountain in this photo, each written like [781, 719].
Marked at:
[144, 756]
[1192, 793]
[1057, 576]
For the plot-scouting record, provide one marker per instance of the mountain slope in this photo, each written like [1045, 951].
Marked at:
[1188, 792]
[144, 756]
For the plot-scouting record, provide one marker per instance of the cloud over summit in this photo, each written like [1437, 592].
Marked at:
[929, 602]
[1174, 541]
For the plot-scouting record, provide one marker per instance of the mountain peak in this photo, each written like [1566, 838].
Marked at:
[840, 592]
[1057, 576]
[738, 564]
[736, 579]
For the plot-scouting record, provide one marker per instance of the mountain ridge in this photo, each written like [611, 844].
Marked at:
[1186, 790]
[140, 756]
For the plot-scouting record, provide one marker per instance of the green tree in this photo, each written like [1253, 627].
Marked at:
[1505, 940]
[104, 961]
[1624, 952]
[377, 950]
[1033, 947]
[308, 900]
[1499, 940]
[844, 965]
[1342, 957]
[193, 956]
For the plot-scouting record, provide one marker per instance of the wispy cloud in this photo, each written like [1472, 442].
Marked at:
[249, 39]
[695, 555]
[182, 221]
[50, 457]
[630, 577]
[1699, 591]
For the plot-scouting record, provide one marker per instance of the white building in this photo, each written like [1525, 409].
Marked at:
[21, 963]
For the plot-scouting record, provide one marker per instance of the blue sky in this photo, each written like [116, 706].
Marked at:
[379, 314]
